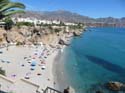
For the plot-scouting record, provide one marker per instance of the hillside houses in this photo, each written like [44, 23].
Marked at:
[38, 21]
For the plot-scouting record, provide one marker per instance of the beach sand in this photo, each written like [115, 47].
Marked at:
[15, 63]
[59, 71]
[18, 67]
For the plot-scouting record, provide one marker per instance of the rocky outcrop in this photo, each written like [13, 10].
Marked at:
[69, 90]
[116, 86]
[99, 91]
[2, 38]
[33, 35]
[76, 33]
[62, 42]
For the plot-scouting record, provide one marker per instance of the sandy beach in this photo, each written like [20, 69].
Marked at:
[17, 64]
[33, 66]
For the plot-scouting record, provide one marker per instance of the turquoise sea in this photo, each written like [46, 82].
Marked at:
[94, 58]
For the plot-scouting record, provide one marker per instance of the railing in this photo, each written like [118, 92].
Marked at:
[2, 91]
[51, 90]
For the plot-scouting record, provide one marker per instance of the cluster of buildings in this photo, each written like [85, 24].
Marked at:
[36, 21]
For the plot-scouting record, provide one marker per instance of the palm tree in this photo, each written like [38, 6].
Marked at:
[8, 8]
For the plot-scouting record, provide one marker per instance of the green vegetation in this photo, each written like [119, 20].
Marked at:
[61, 24]
[78, 26]
[8, 23]
[2, 72]
[19, 43]
[53, 24]
[57, 30]
[19, 24]
[8, 8]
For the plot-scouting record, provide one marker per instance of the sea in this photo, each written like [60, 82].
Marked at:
[93, 59]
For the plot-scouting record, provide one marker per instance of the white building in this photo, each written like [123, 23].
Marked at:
[55, 22]
[38, 21]
[68, 24]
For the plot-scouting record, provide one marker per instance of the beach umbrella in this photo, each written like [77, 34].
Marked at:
[39, 74]
[43, 67]
[43, 63]
[22, 65]
[28, 73]
[27, 77]
[35, 53]
[2, 61]
[32, 68]
[8, 61]
[25, 57]
[14, 75]
[1, 52]
[33, 63]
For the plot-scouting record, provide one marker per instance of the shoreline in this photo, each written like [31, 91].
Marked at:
[59, 71]
[43, 78]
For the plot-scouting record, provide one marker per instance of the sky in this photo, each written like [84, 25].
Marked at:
[91, 8]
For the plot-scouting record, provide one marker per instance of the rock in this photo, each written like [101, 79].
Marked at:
[99, 91]
[69, 90]
[62, 42]
[115, 86]
[76, 33]
[123, 87]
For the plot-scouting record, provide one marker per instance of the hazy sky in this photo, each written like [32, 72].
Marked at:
[92, 8]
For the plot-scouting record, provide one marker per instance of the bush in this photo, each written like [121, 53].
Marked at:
[1, 39]
[18, 24]
[57, 30]
[8, 23]
[2, 72]
[19, 43]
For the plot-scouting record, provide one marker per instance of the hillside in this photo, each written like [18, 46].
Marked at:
[70, 17]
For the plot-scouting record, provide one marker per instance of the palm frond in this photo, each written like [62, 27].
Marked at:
[12, 5]
[8, 8]
[11, 12]
[3, 3]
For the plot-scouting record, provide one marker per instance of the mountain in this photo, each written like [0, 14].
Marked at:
[67, 16]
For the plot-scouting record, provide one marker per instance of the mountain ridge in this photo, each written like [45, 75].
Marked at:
[68, 16]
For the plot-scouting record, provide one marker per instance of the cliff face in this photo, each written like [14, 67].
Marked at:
[2, 38]
[12, 35]
[31, 35]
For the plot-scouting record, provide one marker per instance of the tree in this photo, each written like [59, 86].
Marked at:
[8, 8]
[8, 23]
[57, 30]
[62, 23]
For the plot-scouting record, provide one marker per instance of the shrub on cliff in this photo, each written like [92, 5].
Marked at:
[19, 24]
[2, 72]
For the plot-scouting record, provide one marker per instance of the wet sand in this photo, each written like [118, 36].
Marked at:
[59, 72]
